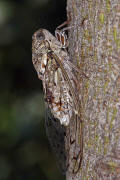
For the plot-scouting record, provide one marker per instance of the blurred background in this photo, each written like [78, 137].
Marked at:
[25, 153]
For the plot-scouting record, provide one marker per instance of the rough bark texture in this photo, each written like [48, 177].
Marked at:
[95, 49]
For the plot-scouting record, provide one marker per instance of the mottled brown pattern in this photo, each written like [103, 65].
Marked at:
[50, 61]
[60, 85]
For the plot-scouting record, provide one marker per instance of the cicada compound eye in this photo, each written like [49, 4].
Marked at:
[40, 36]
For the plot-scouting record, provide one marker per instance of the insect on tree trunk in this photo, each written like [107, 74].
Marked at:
[94, 46]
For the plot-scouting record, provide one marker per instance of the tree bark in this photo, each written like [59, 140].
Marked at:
[95, 49]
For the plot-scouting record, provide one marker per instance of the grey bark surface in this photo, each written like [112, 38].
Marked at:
[95, 49]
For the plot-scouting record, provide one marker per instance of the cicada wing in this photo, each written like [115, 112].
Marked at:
[54, 83]
[56, 135]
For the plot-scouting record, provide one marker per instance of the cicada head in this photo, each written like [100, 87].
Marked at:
[40, 49]
[40, 44]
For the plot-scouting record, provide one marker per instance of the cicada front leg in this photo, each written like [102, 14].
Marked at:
[61, 34]
[62, 37]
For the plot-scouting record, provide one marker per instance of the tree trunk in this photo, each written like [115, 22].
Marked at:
[95, 49]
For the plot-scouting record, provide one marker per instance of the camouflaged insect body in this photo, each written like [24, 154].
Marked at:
[46, 52]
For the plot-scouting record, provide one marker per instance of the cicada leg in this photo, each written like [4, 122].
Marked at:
[61, 35]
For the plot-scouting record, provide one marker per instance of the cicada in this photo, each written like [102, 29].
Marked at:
[53, 66]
